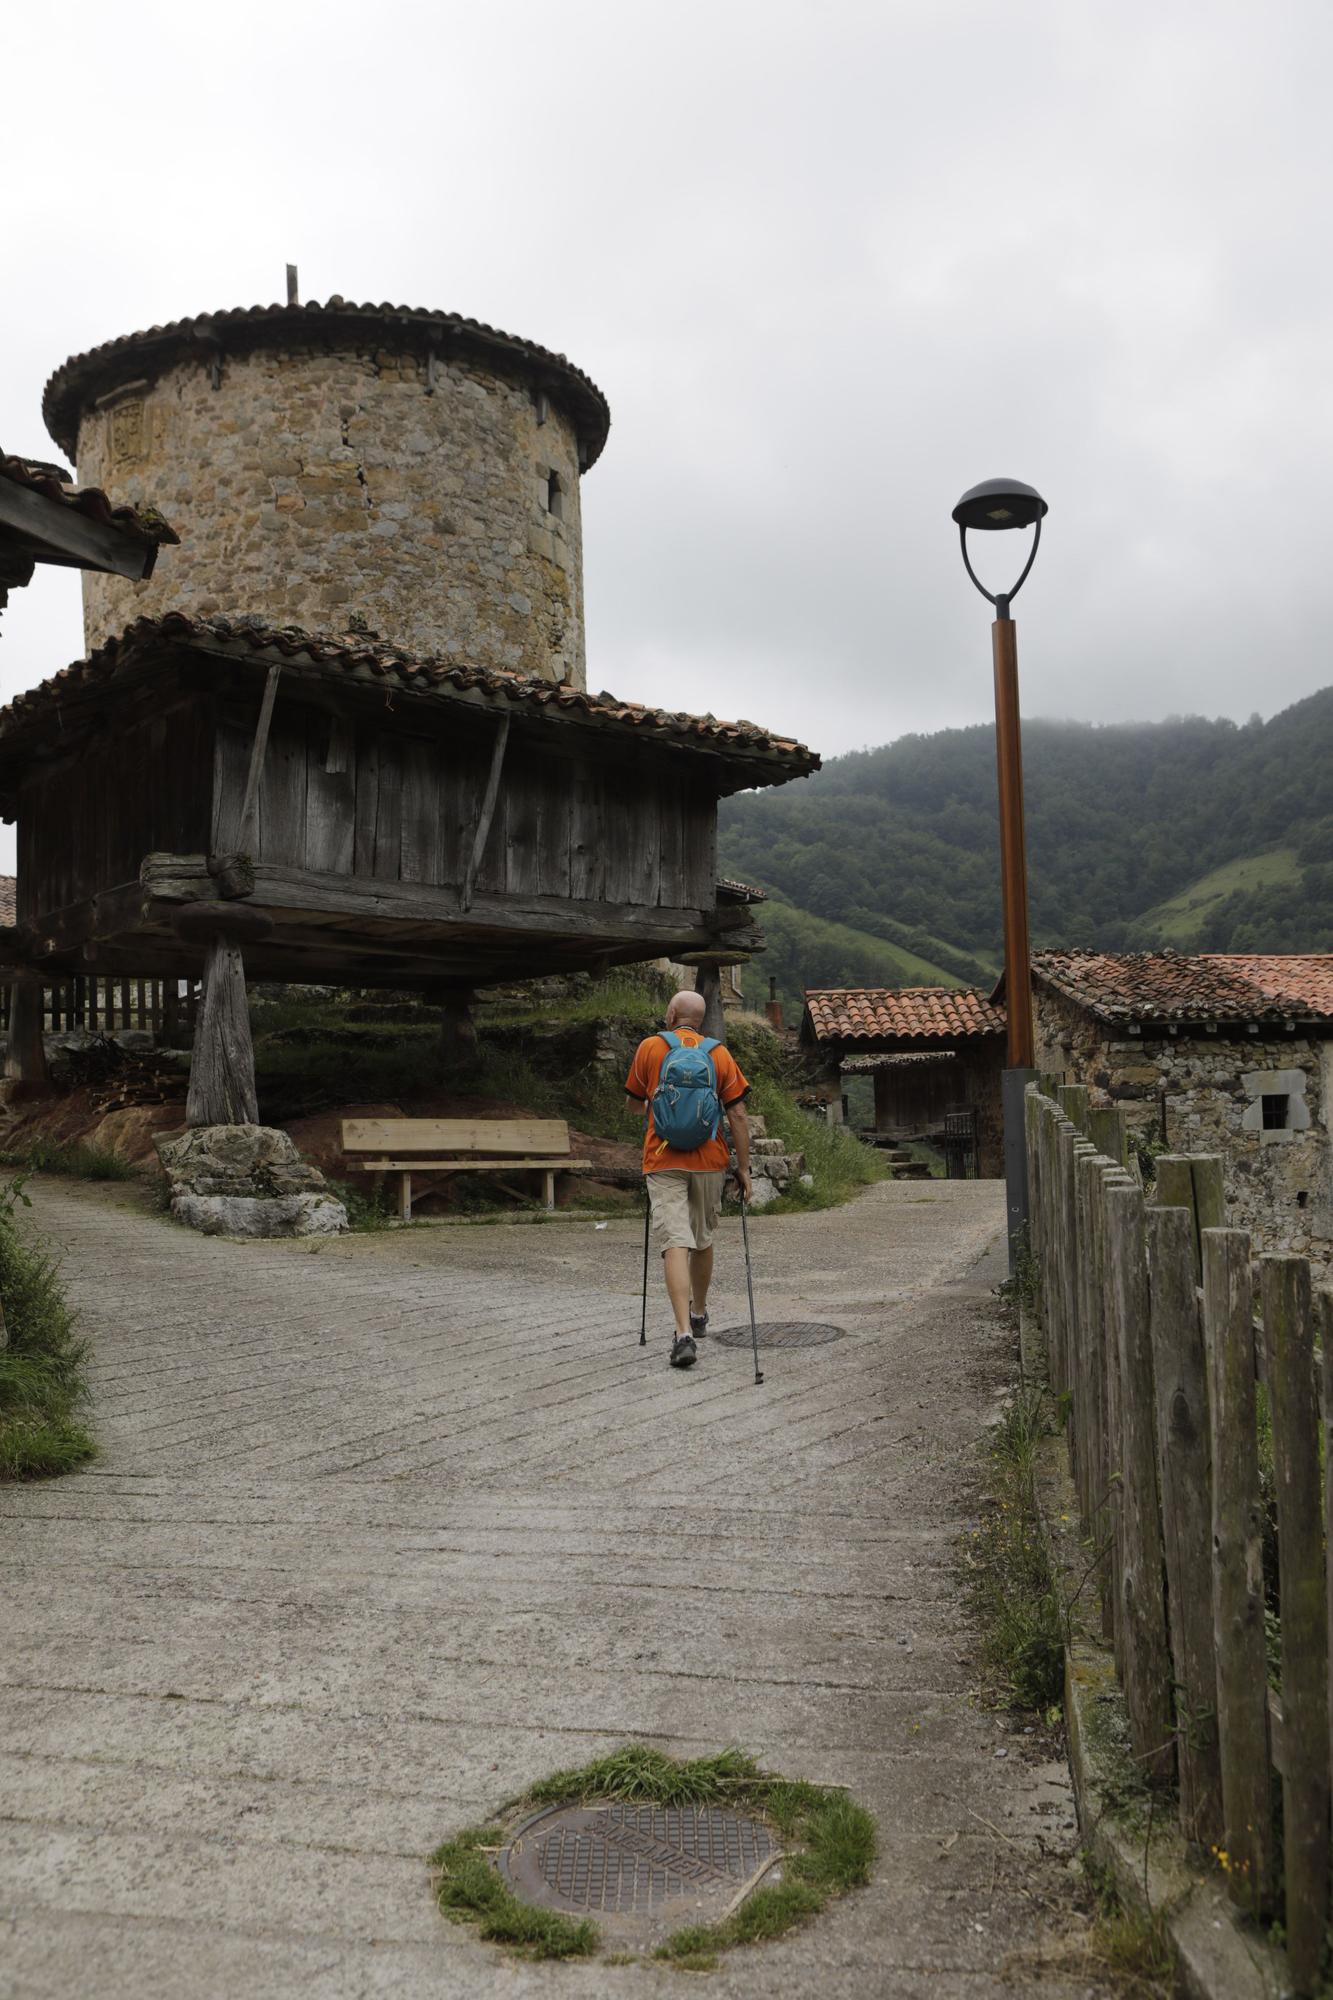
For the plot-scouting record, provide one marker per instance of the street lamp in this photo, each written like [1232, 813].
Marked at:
[999, 504]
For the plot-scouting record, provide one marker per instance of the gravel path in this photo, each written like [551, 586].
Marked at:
[384, 1530]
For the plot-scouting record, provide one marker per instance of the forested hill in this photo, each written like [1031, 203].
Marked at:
[1201, 834]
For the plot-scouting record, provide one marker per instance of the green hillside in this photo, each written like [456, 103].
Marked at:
[804, 950]
[1185, 920]
[1191, 831]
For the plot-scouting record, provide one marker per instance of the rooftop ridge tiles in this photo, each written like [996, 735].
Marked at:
[54, 483]
[65, 394]
[355, 652]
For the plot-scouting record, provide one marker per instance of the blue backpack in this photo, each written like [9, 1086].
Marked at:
[686, 1109]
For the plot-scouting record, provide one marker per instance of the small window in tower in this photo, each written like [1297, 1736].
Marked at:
[555, 496]
[1277, 1112]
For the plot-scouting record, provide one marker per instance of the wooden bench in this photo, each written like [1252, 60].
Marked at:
[440, 1147]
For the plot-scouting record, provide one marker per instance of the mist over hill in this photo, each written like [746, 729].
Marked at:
[1203, 834]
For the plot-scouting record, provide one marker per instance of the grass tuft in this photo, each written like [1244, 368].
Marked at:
[471, 1892]
[42, 1368]
[637, 1774]
[830, 1843]
[1011, 1582]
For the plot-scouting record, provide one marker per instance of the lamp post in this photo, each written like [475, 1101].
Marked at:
[999, 504]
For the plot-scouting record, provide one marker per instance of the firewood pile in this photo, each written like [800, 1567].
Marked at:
[116, 1078]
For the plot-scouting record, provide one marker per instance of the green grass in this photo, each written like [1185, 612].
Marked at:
[1181, 918]
[830, 1843]
[43, 1385]
[634, 1001]
[471, 1892]
[1010, 1581]
[837, 1161]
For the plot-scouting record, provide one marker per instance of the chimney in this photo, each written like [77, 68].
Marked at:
[773, 1007]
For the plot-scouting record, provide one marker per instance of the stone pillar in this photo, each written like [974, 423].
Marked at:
[25, 1059]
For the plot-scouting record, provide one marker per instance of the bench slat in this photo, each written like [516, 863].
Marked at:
[455, 1135]
[419, 1164]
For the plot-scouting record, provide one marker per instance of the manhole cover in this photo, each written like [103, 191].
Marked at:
[778, 1333]
[638, 1869]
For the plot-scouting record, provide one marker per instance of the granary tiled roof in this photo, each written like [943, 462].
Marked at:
[766, 759]
[54, 483]
[1201, 986]
[85, 376]
[913, 1059]
[904, 1013]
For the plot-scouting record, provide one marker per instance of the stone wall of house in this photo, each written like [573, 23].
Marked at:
[328, 489]
[1203, 1094]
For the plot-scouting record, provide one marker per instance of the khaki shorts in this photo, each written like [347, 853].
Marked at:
[685, 1208]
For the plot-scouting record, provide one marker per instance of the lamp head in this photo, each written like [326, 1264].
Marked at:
[999, 503]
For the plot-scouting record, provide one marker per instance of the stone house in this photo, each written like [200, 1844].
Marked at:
[1212, 1053]
[955, 1037]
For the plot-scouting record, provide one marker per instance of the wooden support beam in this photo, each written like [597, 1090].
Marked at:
[245, 839]
[61, 534]
[25, 1057]
[222, 1065]
[487, 810]
[708, 982]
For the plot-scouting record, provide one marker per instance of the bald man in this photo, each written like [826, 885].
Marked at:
[685, 1189]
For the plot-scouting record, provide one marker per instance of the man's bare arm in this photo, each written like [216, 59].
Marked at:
[738, 1120]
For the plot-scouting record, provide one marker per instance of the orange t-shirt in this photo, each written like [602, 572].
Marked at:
[713, 1155]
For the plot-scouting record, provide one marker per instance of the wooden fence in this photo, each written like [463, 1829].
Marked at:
[104, 1005]
[1194, 1439]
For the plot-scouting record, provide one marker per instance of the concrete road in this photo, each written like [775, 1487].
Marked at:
[385, 1530]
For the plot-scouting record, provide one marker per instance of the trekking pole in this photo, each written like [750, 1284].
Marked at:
[647, 1217]
[749, 1286]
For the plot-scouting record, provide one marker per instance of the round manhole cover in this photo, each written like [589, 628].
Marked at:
[778, 1333]
[638, 1868]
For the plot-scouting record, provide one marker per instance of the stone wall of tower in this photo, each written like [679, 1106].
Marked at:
[345, 488]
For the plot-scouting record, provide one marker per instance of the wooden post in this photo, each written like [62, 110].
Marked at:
[248, 824]
[1289, 1340]
[25, 1056]
[222, 1066]
[1142, 1604]
[458, 1032]
[708, 981]
[1324, 1318]
[1109, 1133]
[1238, 1576]
[1115, 1427]
[1072, 1099]
[1183, 1444]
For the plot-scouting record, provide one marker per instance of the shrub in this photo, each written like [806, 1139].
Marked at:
[42, 1369]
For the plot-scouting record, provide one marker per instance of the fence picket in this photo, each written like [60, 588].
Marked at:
[1184, 1461]
[1237, 1567]
[1142, 1604]
[1289, 1339]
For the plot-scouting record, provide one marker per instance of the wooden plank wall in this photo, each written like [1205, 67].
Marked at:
[338, 797]
[85, 825]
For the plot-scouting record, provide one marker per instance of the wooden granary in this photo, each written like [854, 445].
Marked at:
[202, 796]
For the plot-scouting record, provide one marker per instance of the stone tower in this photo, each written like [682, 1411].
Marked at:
[346, 467]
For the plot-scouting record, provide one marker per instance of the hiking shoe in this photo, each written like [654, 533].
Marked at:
[684, 1354]
[698, 1323]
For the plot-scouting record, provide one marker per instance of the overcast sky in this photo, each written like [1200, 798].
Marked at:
[831, 263]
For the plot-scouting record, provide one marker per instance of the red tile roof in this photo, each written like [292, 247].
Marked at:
[906, 1013]
[1203, 986]
[206, 335]
[54, 483]
[761, 759]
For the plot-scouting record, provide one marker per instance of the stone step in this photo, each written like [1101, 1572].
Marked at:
[766, 1149]
[912, 1170]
